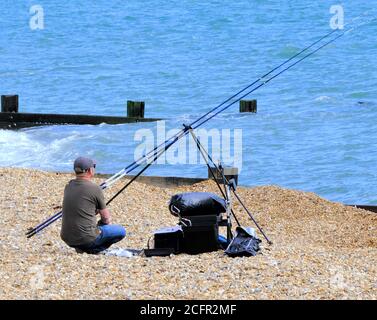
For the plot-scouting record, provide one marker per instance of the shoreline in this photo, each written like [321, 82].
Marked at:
[321, 250]
[177, 181]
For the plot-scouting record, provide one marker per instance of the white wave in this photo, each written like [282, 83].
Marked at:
[35, 149]
[323, 99]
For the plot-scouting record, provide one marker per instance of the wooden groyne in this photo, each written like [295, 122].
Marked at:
[10, 118]
[364, 207]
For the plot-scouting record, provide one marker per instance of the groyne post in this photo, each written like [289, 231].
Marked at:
[229, 173]
[9, 103]
[248, 106]
[135, 109]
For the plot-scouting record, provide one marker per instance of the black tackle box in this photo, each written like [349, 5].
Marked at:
[169, 238]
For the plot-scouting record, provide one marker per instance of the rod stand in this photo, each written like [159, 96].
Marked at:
[229, 185]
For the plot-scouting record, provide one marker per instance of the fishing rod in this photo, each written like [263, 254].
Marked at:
[117, 176]
[136, 163]
[183, 132]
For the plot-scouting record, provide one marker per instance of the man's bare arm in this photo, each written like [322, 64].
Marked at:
[105, 216]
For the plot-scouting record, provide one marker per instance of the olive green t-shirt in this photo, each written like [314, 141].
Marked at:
[81, 200]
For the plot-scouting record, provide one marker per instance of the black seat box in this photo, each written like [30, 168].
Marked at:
[200, 233]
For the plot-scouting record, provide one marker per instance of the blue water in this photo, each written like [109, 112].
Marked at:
[316, 126]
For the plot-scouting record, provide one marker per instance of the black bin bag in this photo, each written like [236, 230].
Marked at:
[243, 244]
[191, 204]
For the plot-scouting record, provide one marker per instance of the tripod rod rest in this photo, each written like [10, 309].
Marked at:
[232, 184]
[187, 127]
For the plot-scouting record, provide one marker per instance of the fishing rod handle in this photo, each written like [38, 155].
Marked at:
[44, 222]
[37, 230]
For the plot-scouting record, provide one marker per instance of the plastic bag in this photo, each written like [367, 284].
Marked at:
[243, 244]
[196, 204]
[127, 253]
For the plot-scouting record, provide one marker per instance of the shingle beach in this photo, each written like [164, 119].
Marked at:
[321, 249]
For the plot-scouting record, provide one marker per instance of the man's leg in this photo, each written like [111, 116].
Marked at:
[110, 234]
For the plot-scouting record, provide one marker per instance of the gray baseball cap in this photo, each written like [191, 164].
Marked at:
[82, 164]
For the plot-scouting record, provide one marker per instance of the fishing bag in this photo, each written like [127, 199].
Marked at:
[243, 244]
[196, 204]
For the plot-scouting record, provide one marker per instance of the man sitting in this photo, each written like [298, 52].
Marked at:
[83, 199]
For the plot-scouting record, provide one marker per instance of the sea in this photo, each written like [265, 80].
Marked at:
[316, 124]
